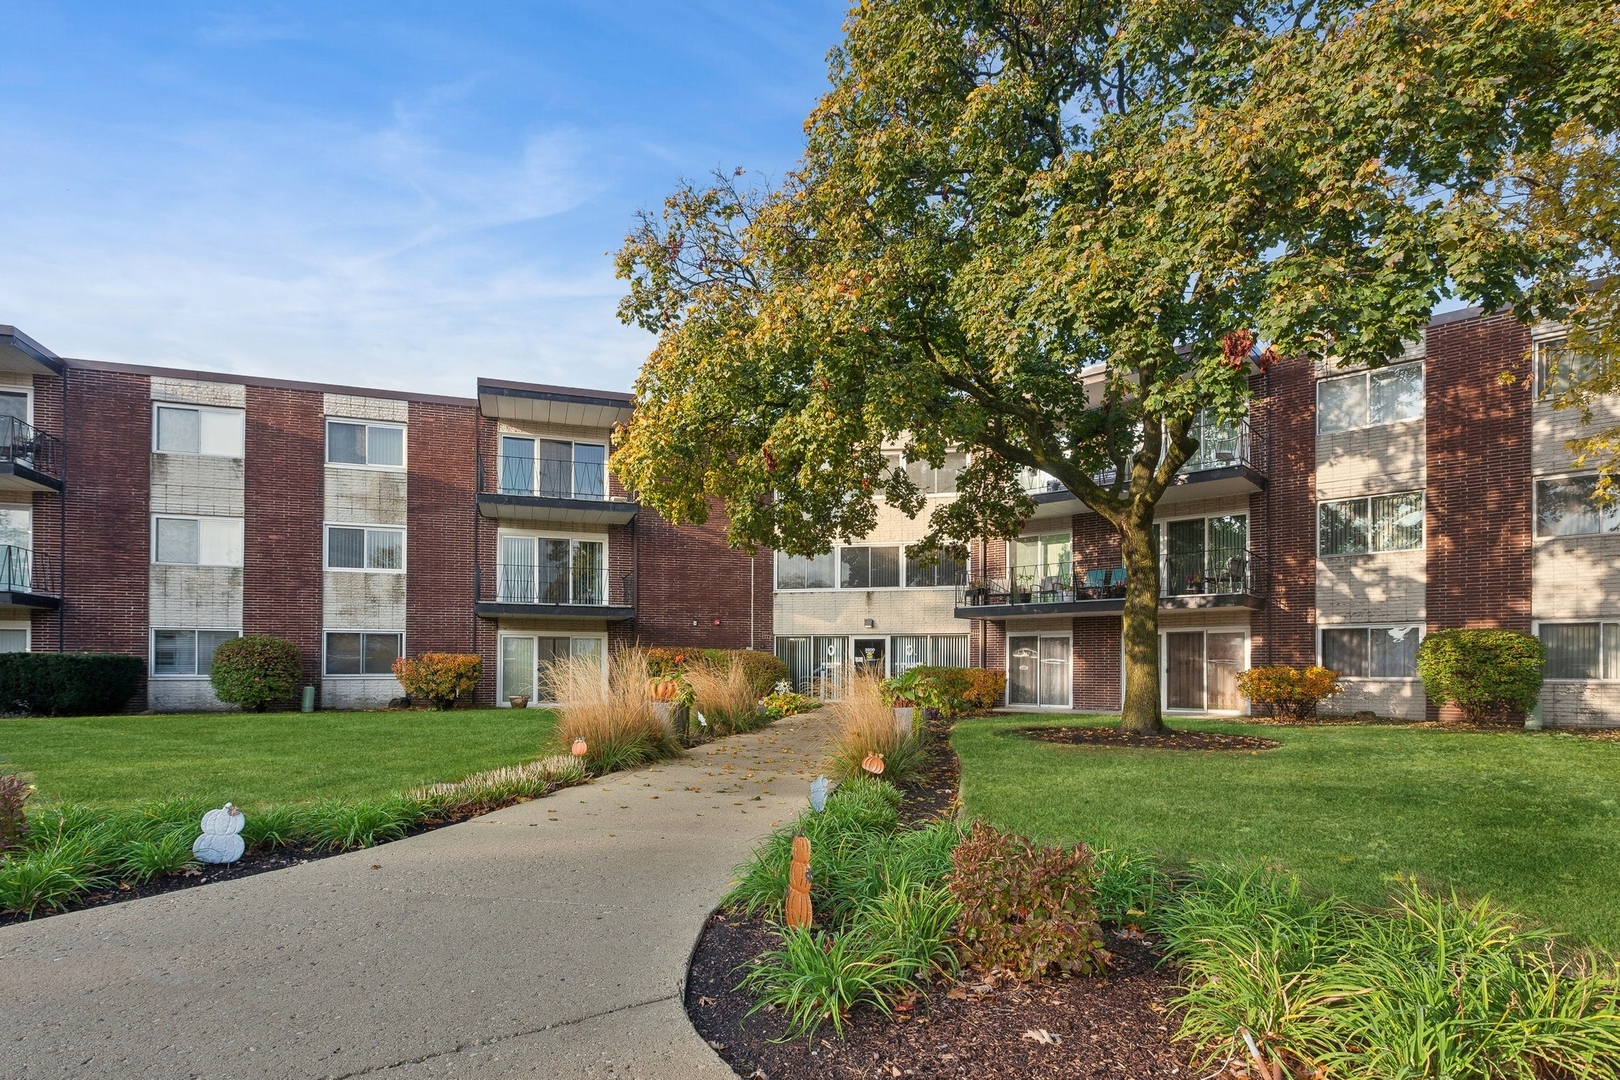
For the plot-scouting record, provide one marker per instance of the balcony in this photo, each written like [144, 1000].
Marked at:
[30, 460]
[1229, 461]
[555, 591]
[1194, 579]
[552, 491]
[29, 579]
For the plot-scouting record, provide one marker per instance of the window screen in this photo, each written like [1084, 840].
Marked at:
[174, 652]
[346, 548]
[1574, 650]
[385, 549]
[179, 431]
[177, 541]
[350, 442]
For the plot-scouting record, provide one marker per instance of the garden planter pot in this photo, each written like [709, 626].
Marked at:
[665, 711]
[518, 701]
[903, 717]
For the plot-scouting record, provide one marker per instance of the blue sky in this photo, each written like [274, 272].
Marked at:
[389, 194]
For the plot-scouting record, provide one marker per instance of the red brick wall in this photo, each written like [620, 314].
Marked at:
[1282, 519]
[49, 627]
[108, 500]
[1096, 543]
[285, 484]
[1097, 671]
[439, 515]
[689, 574]
[1477, 443]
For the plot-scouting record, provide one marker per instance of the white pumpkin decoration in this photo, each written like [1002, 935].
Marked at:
[221, 840]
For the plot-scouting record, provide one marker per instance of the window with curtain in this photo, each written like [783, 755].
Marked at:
[210, 432]
[1589, 650]
[1568, 506]
[187, 652]
[552, 570]
[1371, 652]
[1034, 558]
[947, 571]
[362, 652]
[192, 541]
[804, 572]
[356, 442]
[875, 567]
[1385, 395]
[1379, 523]
[359, 548]
[1559, 367]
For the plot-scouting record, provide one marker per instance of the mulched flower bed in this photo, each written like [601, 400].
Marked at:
[1114, 1027]
[1169, 740]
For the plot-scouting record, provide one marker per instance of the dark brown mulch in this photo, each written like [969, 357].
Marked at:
[1169, 740]
[1114, 1027]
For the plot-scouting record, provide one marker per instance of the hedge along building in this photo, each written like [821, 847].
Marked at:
[1351, 513]
[155, 513]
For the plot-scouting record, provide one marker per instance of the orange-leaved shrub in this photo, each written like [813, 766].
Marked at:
[1026, 909]
[1291, 692]
[439, 678]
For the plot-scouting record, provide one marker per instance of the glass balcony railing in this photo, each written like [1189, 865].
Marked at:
[527, 583]
[1190, 573]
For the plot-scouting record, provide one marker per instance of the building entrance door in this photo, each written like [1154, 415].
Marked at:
[870, 656]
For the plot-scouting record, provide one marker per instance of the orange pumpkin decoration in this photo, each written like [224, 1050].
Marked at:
[579, 748]
[663, 689]
[873, 763]
[797, 910]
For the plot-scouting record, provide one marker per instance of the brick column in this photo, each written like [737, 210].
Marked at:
[1282, 519]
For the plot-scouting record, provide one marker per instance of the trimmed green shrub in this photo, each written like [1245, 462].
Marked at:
[952, 690]
[68, 684]
[1488, 674]
[439, 678]
[257, 671]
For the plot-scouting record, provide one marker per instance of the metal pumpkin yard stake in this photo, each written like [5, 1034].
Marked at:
[221, 840]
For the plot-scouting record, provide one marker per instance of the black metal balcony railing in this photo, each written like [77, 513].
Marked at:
[526, 583]
[24, 571]
[23, 444]
[552, 478]
[1220, 446]
[1194, 573]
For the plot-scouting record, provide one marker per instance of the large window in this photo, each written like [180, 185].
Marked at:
[1371, 652]
[355, 547]
[526, 658]
[553, 468]
[1369, 398]
[1568, 506]
[13, 639]
[1379, 523]
[357, 442]
[1588, 650]
[190, 429]
[1559, 367]
[1033, 559]
[187, 652]
[552, 570]
[875, 567]
[362, 652]
[929, 480]
[933, 650]
[190, 541]
[804, 571]
[946, 572]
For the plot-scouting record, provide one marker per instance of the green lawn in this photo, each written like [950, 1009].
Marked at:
[252, 760]
[1531, 820]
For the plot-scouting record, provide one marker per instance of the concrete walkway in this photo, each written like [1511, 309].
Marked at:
[549, 939]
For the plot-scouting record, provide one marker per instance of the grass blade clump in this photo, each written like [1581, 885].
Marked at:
[912, 924]
[144, 860]
[46, 879]
[615, 715]
[347, 826]
[273, 827]
[866, 725]
[816, 978]
[721, 692]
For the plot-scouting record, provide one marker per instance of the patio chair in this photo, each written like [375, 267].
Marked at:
[1116, 582]
[1236, 574]
[1050, 591]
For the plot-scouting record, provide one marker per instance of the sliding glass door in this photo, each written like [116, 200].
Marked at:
[1038, 669]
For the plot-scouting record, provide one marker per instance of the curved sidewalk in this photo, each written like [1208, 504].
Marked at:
[549, 939]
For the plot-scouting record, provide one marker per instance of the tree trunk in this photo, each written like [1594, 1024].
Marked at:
[1140, 629]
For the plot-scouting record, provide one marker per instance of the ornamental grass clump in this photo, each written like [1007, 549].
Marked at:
[14, 793]
[495, 788]
[866, 726]
[614, 715]
[721, 692]
[885, 924]
[1430, 987]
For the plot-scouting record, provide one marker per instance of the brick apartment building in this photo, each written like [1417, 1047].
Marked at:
[156, 513]
[1354, 512]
